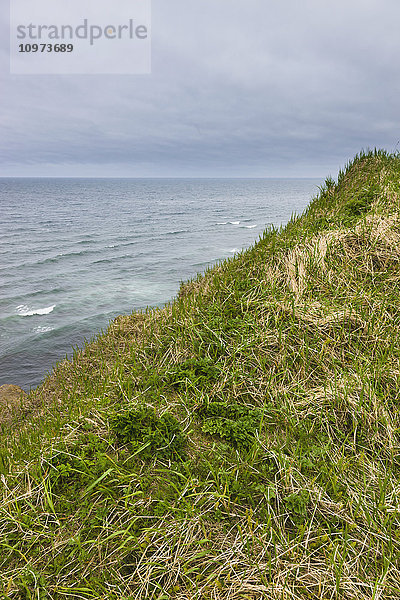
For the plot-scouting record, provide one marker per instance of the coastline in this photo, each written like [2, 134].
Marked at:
[104, 247]
[242, 440]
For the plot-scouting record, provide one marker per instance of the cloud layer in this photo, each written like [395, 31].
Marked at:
[238, 88]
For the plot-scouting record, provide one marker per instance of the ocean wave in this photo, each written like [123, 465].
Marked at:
[42, 329]
[249, 226]
[201, 264]
[85, 242]
[12, 298]
[114, 259]
[61, 255]
[24, 311]
[176, 232]
[234, 222]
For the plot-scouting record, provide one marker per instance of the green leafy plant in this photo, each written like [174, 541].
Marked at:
[296, 504]
[147, 433]
[235, 423]
[192, 372]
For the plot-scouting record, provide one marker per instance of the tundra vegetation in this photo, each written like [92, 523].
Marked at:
[243, 442]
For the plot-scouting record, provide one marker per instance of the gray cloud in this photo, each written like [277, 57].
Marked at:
[238, 87]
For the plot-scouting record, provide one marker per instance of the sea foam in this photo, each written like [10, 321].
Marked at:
[42, 329]
[25, 311]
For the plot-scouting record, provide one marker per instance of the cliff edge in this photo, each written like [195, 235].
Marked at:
[242, 442]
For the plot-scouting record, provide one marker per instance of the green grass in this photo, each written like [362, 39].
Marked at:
[243, 442]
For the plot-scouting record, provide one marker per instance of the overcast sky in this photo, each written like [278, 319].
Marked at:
[247, 88]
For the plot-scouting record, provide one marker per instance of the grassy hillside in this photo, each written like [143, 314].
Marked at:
[241, 443]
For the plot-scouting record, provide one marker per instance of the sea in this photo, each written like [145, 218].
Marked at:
[75, 253]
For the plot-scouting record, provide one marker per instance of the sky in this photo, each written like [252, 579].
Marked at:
[238, 88]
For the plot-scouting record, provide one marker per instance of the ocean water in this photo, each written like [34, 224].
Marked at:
[75, 253]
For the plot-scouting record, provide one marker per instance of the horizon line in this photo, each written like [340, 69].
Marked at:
[155, 177]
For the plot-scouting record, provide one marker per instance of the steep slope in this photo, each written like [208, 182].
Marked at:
[243, 442]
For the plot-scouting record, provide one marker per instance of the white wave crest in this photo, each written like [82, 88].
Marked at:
[25, 311]
[234, 222]
[42, 329]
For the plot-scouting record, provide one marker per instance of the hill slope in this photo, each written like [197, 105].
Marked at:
[243, 442]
